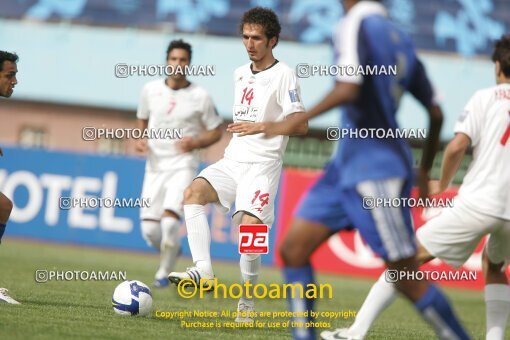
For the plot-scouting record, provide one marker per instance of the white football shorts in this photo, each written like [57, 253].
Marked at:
[165, 189]
[251, 186]
[453, 235]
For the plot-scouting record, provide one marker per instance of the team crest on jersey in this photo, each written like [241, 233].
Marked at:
[251, 80]
[294, 96]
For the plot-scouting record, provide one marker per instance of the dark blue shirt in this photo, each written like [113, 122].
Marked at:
[370, 41]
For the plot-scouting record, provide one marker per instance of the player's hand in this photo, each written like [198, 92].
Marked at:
[245, 129]
[423, 181]
[435, 187]
[141, 146]
[187, 144]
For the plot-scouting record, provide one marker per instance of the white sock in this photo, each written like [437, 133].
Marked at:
[497, 302]
[151, 233]
[170, 244]
[381, 295]
[250, 267]
[199, 236]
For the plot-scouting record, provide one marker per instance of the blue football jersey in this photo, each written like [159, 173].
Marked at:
[368, 40]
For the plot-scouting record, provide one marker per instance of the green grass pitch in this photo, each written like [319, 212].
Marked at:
[82, 309]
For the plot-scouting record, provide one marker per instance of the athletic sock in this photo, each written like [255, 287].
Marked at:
[436, 310]
[199, 236]
[250, 267]
[298, 304]
[170, 245]
[381, 295]
[497, 302]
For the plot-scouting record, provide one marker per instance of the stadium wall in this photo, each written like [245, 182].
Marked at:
[61, 128]
[73, 64]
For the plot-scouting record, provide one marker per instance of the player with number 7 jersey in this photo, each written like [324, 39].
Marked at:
[266, 91]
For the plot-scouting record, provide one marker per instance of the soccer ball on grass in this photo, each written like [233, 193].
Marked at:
[132, 297]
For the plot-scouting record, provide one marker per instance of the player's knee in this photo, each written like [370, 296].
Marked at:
[423, 255]
[250, 219]
[195, 194]
[490, 266]
[285, 253]
[292, 256]
[191, 195]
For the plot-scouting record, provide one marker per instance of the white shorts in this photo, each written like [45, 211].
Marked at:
[453, 235]
[251, 186]
[165, 190]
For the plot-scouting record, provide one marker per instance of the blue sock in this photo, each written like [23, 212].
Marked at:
[2, 229]
[436, 310]
[304, 276]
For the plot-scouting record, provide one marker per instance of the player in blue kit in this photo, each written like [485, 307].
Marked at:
[369, 167]
[8, 70]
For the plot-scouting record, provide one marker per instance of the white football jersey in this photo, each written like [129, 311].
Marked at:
[486, 120]
[265, 96]
[190, 110]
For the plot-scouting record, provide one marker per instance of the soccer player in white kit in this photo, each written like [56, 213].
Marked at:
[266, 90]
[173, 103]
[482, 206]
[8, 70]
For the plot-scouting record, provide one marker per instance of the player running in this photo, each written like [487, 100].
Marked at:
[482, 206]
[172, 103]
[8, 70]
[266, 90]
[376, 167]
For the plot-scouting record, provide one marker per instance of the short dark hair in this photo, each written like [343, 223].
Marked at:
[7, 56]
[178, 44]
[264, 17]
[502, 54]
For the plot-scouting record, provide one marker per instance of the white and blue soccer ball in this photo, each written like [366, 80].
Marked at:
[132, 297]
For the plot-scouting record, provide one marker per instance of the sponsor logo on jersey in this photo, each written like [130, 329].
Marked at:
[245, 113]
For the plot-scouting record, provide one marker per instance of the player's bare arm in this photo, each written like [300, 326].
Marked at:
[429, 149]
[205, 139]
[141, 144]
[341, 94]
[298, 129]
[452, 159]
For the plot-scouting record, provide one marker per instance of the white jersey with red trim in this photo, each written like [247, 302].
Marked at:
[486, 121]
[265, 96]
[189, 110]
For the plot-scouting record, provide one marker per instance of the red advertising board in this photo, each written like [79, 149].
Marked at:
[345, 252]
